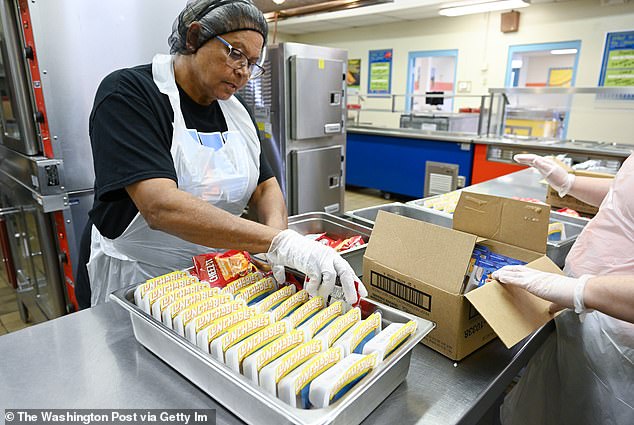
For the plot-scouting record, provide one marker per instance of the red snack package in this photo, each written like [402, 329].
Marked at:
[327, 240]
[569, 212]
[349, 243]
[221, 268]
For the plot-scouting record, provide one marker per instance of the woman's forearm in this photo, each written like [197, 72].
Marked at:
[591, 190]
[612, 295]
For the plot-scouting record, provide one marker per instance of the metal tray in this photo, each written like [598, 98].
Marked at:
[320, 222]
[367, 215]
[555, 250]
[248, 401]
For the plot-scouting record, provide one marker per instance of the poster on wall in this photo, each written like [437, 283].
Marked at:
[380, 73]
[353, 76]
[617, 67]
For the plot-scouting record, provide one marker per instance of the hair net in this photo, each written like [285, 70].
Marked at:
[216, 17]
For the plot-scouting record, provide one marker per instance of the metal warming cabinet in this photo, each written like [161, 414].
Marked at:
[299, 104]
[53, 56]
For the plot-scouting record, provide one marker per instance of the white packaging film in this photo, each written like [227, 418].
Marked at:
[235, 355]
[150, 284]
[389, 339]
[163, 302]
[195, 309]
[238, 333]
[321, 319]
[257, 291]
[205, 319]
[273, 373]
[339, 326]
[219, 326]
[253, 364]
[333, 383]
[276, 298]
[359, 334]
[294, 388]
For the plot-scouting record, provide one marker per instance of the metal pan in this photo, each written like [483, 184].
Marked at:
[248, 401]
[320, 222]
[555, 250]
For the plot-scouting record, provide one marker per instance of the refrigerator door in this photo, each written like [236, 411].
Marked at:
[317, 180]
[16, 114]
[316, 97]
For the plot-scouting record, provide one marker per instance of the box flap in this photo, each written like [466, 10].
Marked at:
[432, 254]
[513, 313]
[519, 223]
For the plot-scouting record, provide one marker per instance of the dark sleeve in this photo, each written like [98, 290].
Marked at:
[129, 142]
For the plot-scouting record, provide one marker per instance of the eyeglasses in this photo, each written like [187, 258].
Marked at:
[237, 60]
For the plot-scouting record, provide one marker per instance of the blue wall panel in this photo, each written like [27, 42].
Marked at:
[397, 165]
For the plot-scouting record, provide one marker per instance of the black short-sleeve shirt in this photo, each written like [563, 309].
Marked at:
[131, 135]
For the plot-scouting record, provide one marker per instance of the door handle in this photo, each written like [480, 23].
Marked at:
[7, 255]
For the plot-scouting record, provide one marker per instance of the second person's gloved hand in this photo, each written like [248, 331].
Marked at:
[554, 174]
[321, 264]
[562, 291]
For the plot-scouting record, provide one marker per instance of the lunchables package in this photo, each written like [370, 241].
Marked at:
[294, 388]
[218, 327]
[237, 333]
[182, 299]
[150, 284]
[180, 313]
[483, 262]
[221, 268]
[339, 326]
[242, 282]
[359, 334]
[205, 319]
[271, 374]
[305, 312]
[389, 339]
[335, 382]
[275, 299]
[154, 294]
[290, 305]
[257, 292]
[236, 354]
[158, 305]
[253, 364]
[321, 319]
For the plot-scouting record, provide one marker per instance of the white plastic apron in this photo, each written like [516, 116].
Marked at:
[226, 178]
[584, 374]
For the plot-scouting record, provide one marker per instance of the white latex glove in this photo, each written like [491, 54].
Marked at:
[562, 291]
[554, 174]
[321, 264]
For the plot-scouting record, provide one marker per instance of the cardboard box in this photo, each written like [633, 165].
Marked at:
[420, 268]
[557, 202]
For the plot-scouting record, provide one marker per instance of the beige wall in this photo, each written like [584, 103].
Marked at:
[483, 49]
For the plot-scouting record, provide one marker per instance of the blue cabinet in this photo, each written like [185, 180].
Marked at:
[397, 164]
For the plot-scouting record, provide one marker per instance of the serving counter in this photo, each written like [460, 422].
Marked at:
[394, 159]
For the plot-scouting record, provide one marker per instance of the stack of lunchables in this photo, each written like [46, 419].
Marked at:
[307, 351]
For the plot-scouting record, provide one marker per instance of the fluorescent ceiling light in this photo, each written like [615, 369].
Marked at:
[516, 63]
[469, 7]
[564, 52]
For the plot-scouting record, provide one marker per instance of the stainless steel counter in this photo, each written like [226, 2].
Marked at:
[524, 183]
[90, 359]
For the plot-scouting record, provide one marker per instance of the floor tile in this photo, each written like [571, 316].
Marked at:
[12, 322]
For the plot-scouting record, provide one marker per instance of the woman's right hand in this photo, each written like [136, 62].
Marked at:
[321, 264]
